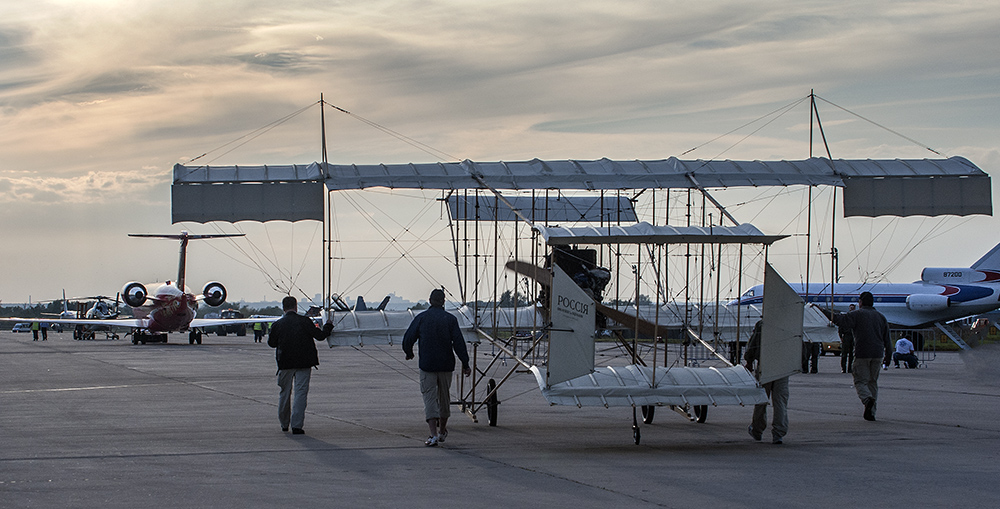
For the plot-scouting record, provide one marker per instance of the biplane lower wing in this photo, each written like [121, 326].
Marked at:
[358, 328]
[635, 385]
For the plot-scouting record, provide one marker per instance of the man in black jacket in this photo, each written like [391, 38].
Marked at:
[292, 336]
[871, 349]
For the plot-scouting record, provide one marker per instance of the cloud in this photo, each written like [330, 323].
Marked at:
[94, 187]
[98, 99]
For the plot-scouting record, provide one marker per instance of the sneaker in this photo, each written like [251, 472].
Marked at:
[776, 441]
[441, 436]
[431, 441]
[755, 436]
[869, 409]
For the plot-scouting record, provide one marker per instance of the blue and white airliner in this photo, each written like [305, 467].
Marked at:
[941, 294]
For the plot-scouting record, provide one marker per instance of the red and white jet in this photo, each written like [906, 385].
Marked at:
[171, 307]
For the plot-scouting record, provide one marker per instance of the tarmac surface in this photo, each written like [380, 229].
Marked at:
[108, 424]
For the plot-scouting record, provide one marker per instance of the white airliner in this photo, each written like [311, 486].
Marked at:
[941, 295]
[171, 307]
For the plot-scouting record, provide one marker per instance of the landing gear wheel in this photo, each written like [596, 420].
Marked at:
[491, 402]
[197, 338]
[647, 413]
[701, 412]
[135, 339]
[191, 336]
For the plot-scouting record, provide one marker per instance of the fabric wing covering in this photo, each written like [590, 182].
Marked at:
[632, 386]
[384, 327]
[556, 208]
[359, 328]
[645, 233]
[872, 187]
[247, 193]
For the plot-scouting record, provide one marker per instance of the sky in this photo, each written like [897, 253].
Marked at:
[100, 98]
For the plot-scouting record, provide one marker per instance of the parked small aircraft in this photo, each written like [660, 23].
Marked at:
[171, 307]
[941, 295]
[339, 304]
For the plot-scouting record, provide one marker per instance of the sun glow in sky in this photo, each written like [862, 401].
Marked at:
[99, 99]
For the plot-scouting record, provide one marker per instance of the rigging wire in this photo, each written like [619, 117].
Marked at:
[784, 109]
[394, 241]
[402, 137]
[252, 135]
[408, 373]
[907, 138]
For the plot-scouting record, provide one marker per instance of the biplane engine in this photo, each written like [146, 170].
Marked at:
[134, 294]
[215, 293]
[927, 302]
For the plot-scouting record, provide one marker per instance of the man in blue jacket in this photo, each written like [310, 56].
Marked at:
[439, 339]
[292, 336]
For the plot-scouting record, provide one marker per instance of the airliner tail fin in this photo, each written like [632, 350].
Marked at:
[990, 260]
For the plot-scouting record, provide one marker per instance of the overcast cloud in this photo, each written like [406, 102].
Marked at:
[99, 98]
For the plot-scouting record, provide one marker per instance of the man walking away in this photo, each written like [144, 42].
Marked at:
[292, 338]
[439, 339]
[846, 348]
[777, 390]
[872, 348]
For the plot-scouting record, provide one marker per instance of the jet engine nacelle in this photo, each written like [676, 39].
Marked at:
[941, 275]
[215, 293]
[927, 302]
[134, 294]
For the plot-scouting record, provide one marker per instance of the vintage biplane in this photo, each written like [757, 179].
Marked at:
[590, 263]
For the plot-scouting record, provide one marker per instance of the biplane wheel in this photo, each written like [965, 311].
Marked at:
[491, 402]
[701, 412]
[198, 339]
[191, 338]
[636, 435]
[135, 340]
[647, 413]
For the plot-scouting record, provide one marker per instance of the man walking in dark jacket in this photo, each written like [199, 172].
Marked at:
[846, 348]
[872, 348]
[437, 335]
[292, 336]
[777, 390]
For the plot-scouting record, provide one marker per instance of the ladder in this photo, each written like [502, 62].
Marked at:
[948, 331]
